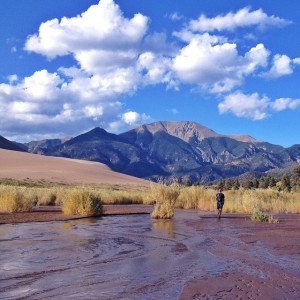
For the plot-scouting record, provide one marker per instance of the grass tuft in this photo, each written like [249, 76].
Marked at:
[14, 199]
[259, 216]
[165, 198]
[81, 202]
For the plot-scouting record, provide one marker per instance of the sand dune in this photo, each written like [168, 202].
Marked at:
[19, 165]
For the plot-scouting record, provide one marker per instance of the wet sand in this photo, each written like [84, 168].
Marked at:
[193, 256]
[54, 213]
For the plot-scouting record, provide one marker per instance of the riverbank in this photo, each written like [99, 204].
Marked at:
[54, 213]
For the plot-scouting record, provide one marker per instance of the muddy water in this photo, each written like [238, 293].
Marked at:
[118, 257]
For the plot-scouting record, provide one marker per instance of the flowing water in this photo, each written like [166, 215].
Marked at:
[113, 257]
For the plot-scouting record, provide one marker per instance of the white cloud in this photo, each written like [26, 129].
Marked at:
[155, 68]
[282, 65]
[216, 65]
[285, 103]
[101, 27]
[253, 106]
[248, 106]
[133, 118]
[231, 21]
[176, 16]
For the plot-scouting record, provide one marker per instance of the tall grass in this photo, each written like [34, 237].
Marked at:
[196, 197]
[240, 201]
[165, 198]
[81, 202]
[16, 199]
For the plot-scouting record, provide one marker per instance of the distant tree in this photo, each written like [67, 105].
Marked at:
[272, 182]
[285, 183]
[247, 184]
[236, 184]
[255, 183]
[295, 177]
[228, 184]
[264, 182]
[188, 183]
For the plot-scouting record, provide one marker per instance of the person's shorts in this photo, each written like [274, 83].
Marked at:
[220, 205]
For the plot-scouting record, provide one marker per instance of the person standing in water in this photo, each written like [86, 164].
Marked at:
[220, 198]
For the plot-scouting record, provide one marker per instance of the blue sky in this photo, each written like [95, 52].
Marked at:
[68, 66]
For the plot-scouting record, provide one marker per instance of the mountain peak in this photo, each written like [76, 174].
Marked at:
[185, 130]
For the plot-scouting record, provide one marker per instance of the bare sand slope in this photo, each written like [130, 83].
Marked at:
[19, 165]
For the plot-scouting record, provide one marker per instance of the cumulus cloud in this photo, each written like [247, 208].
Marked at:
[231, 21]
[285, 103]
[102, 27]
[249, 106]
[134, 118]
[254, 106]
[212, 63]
[282, 65]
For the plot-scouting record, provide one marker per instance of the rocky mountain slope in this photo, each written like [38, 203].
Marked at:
[8, 145]
[184, 150]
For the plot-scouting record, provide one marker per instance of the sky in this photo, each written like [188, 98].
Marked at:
[67, 66]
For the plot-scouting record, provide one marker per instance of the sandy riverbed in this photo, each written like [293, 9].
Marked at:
[193, 256]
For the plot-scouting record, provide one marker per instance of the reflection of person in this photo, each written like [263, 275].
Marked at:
[220, 197]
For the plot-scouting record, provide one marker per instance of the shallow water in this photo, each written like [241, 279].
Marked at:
[114, 257]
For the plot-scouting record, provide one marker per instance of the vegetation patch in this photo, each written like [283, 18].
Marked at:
[165, 197]
[259, 216]
[81, 202]
[14, 199]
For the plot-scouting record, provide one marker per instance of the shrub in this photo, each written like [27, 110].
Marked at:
[258, 215]
[165, 197]
[81, 202]
[16, 199]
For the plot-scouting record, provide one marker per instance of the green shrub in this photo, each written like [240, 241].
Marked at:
[258, 215]
[81, 202]
[165, 198]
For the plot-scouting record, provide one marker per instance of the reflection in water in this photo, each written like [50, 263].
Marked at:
[165, 225]
[66, 226]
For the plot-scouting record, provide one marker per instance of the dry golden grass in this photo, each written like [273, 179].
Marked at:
[16, 199]
[240, 201]
[81, 202]
[23, 198]
[165, 198]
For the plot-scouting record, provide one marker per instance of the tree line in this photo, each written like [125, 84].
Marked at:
[287, 182]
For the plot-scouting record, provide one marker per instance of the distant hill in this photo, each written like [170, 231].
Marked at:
[184, 150]
[6, 144]
[42, 147]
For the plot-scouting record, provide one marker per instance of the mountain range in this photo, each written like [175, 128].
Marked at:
[182, 150]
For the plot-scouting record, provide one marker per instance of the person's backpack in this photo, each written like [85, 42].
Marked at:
[220, 197]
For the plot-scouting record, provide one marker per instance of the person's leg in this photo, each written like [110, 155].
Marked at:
[219, 209]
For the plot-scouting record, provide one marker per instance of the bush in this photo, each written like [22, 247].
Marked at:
[16, 199]
[81, 202]
[165, 198]
[260, 216]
